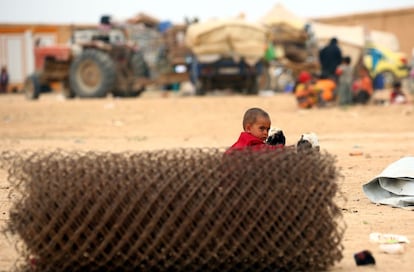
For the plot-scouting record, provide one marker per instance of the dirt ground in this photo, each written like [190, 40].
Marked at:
[383, 134]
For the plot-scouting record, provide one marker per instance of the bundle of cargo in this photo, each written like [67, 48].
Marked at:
[162, 44]
[228, 53]
[174, 38]
[176, 52]
[145, 19]
[149, 41]
[289, 32]
[296, 49]
[228, 37]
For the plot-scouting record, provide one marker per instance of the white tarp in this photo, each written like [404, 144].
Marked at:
[385, 39]
[352, 35]
[229, 37]
[394, 185]
[351, 39]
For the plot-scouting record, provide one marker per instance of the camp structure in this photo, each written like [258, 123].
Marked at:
[232, 37]
[295, 48]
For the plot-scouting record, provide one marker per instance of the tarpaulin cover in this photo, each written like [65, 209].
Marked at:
[394, 185]
[228, 37]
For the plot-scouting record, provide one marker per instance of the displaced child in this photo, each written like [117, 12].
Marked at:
[305, 93]
[362, 87]
[255, 135]
[344, 88]
[256, 125]
[397, 95]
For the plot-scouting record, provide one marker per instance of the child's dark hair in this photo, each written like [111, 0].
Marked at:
[346, 59]
[251, 115]
[397, 84]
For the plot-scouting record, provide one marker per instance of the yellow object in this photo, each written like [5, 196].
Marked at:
[393, 65]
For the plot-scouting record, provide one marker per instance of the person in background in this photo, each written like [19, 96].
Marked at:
[397, 96]
[325, 87]
[345, 76]
[330, 57]
[4, 80]
[305, 93]
[362, 87]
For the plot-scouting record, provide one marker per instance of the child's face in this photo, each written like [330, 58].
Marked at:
[260, 128]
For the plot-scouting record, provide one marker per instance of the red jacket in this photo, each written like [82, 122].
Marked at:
[248, 140]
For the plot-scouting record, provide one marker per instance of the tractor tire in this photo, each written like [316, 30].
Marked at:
[67, 92]
[31, 87]
[92, 74]
[139, 69]
[139, 65]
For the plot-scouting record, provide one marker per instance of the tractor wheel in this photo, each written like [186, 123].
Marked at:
[67, 91]
[32, 87]
[139, 69]
[139, 65]
[92, 74]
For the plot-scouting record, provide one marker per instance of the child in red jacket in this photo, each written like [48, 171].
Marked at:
[256, 125]
[397, 96]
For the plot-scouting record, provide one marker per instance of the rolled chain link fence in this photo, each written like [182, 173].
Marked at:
[175, 210]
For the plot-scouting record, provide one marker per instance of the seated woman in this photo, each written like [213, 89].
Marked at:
[305, 92]
[326, 87]
[362, 87]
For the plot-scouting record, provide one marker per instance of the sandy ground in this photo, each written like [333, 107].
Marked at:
[383, 134]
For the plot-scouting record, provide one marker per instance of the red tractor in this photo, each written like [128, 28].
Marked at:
[100, 62]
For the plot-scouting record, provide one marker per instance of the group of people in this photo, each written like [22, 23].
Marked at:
[337, 82]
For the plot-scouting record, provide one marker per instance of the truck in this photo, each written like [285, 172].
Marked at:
[228, 73]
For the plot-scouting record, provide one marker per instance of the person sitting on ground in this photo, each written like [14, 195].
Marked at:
[256, 125]
[326, 87]
[362, 87]
[304, 91]
[397, 96]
